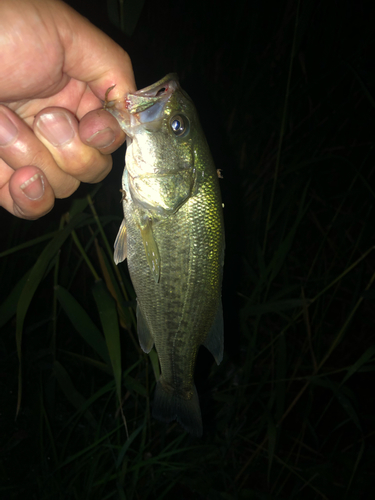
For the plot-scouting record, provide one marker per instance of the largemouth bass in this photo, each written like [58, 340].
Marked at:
[173, 238]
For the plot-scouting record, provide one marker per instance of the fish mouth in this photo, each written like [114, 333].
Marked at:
[160, 91]
[147, 105]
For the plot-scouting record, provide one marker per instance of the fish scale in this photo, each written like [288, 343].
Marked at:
[173, 239]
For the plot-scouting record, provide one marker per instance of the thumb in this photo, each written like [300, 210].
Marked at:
[91, 56]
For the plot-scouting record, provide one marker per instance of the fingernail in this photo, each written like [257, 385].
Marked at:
[8, 131]
[102, 138]
[33, 188]
[56, 128]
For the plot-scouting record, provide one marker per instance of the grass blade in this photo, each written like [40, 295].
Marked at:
[35, 277]
[71, 393]
[83, 323]
[108, 317]
[9, 307]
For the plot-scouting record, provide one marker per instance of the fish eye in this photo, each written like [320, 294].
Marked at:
[179, 125]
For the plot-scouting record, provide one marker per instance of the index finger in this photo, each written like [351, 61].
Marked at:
[93, 57]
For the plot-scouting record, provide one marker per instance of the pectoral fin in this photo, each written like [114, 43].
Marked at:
[151, 249]
[215, 339]
[144, 335]
[120, 244]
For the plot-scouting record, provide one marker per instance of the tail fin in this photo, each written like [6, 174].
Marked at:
[170, 406]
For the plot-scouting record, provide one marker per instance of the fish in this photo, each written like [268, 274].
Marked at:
[172, 236]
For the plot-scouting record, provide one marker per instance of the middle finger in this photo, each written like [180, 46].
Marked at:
[21, 147]
[57, 129]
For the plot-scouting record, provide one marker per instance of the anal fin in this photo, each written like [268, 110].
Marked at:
[215, 339]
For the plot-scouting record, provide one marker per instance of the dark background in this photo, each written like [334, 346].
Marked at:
[234, 60]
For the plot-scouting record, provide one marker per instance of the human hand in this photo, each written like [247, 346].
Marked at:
[55, 68]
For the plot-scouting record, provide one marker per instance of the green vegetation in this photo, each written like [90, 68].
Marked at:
[285, 99]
